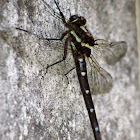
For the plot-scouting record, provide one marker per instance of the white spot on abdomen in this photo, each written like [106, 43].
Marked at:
[87, 91]
[91, 110]
[83, 73]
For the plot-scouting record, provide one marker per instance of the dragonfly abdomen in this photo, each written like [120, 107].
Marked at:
[83, 80]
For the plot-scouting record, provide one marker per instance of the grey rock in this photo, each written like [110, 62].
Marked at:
[52, 107]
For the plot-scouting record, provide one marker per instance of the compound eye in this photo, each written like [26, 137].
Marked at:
[74, 18]
[77, 20]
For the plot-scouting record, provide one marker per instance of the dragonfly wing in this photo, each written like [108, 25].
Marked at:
[52, 11]
[102, 81]
[110, 52]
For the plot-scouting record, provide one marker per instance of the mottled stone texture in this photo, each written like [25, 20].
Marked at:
[32, 108]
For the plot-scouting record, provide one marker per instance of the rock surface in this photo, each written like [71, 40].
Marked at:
[52, 108]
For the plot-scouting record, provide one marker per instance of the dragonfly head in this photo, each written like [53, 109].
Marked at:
[77, 20]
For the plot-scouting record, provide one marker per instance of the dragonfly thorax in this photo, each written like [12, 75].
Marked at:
[77, 20]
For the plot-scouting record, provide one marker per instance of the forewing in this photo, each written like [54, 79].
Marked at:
[102, 81]
[110, 52]
[52, 11]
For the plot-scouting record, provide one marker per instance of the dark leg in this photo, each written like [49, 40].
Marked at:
[69, 71]
[61, 38]
[64, 57]
[65, 54]
[65, 47]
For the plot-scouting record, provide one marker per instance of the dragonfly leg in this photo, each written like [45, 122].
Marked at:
[69, 71]
[64, 57]
[61, 38]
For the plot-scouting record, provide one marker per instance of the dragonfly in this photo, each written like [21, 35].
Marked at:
[82, 43]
